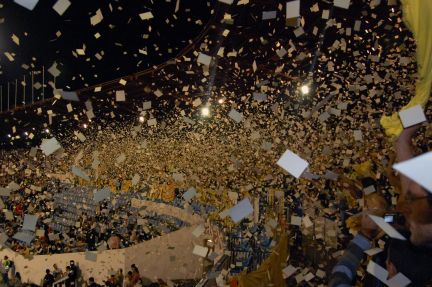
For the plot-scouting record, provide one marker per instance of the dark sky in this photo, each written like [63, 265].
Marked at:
[122, 31]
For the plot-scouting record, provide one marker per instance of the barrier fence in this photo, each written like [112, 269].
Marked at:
[33, 86]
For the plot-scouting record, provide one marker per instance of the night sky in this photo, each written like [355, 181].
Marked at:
[122, 31]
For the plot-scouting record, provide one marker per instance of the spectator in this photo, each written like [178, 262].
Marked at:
[128, 280]
[6, 264]
[415, 202]
[70, 281]
[135, 274]
[120, 277]
[92, 283]
[16, 280]
[111, 282]
[344, 272]
[48, 280]
[57, 272]
[412, 261]
[74, 270]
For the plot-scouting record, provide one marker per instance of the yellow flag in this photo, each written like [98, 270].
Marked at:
[417, 16]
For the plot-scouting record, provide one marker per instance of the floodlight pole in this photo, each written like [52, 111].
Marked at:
[32, 90]
[16, 92]
[8, 99]
[24, 90]
[43, 82]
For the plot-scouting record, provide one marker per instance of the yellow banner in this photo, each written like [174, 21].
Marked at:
[417, 15]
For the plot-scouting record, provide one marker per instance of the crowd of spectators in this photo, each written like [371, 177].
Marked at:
[109, 227]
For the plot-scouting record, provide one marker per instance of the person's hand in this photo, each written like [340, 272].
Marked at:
[368, 228]
[408, 133]
[374, 204]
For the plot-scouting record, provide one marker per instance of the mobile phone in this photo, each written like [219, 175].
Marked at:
[394, 218]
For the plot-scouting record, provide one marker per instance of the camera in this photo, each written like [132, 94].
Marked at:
[394, 218]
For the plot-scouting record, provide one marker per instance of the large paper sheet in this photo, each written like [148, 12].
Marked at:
[412, 116]
[418, 169]
[241, 210]
[292, 163]
[387, 228]
[29, 222]
[50, 146]
[29, 4]
[293, 9]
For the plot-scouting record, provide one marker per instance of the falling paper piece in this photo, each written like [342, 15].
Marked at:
[412, 116]
[368, 190]
[342, 3]
[198, 231]
[229, 2]
[387, 228]
[293, 9]
[241, 210]
[15, 39]
[53, 70]
[80, 136]
[236, 116]
[78, 172]
[288, 271]
[358, 135]
[102, 194]
[399, 280]
[61, 6]
[200, 251]
[49, 146]
[70, 96]
[30, 222]
[158, 93]
[307, 222]
[418, 169]
[357, 25]
[152, 122]
[178, 177]
[292, 163]
[377, 271]
[9, 56]
[135, 180]
[13, 186]
[97, 18]
[146, 16]
[296, 220]
[373, 251]
[147, 105]
[267, 15]
[9, 215]
[120, 96]
[4, 191]
[189, 194]
[204, 59]
[121, 158]
[3, 239]
[259, 97]
[26, 237]
[29, 4]
[331, 175]
[40, 233]
[91, 256]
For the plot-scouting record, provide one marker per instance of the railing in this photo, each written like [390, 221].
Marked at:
[60, 282]
[34, 86]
